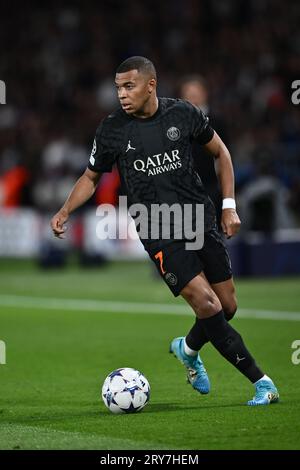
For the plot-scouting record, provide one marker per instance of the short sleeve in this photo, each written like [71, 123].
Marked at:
[102, 156]
[202, 132]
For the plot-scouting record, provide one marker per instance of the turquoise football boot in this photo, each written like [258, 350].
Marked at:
[196, 373]
[265, 393]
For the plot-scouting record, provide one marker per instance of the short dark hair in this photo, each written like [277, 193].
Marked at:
[139, 63]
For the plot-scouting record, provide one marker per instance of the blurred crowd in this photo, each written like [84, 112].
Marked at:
[58, 63]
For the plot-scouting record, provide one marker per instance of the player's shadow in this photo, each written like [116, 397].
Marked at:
[96, 410]
[169, 407]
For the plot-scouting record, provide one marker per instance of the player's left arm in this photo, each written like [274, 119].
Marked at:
[230, 221]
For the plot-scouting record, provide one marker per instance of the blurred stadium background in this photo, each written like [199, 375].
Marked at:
[58, 63]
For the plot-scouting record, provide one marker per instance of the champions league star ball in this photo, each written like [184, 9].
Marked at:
[125, 390]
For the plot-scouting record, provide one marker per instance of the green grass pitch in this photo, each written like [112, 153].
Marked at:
[58, 353]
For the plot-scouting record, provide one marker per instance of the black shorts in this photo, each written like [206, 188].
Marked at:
[177, 266]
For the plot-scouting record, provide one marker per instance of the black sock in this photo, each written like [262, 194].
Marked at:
[230, 344]
[197, 336]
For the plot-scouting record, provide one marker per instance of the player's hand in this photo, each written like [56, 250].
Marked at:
[230, 222]
[58, 224]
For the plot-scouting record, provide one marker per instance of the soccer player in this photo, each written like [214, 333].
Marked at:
[150, 139]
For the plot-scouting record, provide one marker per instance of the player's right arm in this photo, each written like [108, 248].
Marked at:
[82, 191]
[101, 160]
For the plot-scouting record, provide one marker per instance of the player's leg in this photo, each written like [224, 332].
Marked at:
[225, 291]
[207, 307]
[184, 349]
[177, 267]
[217, 267]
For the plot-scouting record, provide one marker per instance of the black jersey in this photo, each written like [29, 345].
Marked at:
[154, 158]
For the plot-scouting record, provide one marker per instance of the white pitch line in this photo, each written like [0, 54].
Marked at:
[130, 307]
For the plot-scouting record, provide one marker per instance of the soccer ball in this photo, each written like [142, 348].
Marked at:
[125, 390]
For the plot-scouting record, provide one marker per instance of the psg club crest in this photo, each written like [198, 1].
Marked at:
[173, 133]
[171, 279]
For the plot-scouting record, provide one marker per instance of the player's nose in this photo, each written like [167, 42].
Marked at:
[122, 93]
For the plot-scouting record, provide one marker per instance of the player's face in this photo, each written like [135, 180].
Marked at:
[195, 93]
[134, 90]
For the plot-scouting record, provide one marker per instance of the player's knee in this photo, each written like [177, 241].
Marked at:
[230, 309]
[206, 305]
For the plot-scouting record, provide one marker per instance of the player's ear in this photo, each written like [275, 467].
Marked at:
[151, 85]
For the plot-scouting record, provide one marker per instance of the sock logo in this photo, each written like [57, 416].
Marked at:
[239, 359]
